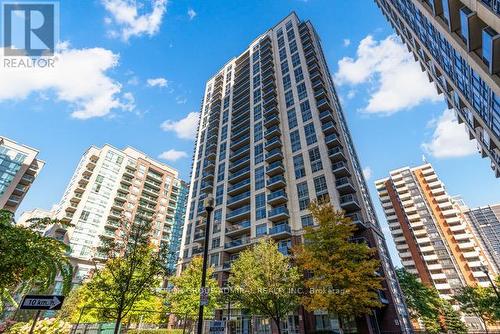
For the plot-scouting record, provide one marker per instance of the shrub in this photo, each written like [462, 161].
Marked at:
[155, 331]
[45, 326]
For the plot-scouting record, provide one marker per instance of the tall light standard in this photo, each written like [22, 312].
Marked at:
[208, 203]
[485, 270]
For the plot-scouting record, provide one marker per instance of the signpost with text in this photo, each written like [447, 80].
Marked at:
[41, 302]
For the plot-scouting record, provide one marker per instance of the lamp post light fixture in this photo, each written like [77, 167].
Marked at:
[208, 203]
[485, 270]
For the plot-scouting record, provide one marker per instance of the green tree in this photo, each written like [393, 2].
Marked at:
[452, 321]
[423, 301]
[264, 281]
[479, 301]
[341, 274]
[184, 298]
[132, 272]
[29, 259]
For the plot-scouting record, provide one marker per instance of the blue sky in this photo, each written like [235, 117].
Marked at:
[133, 73]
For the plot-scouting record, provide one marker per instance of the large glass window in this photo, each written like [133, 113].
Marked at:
[259, 178]
[320, 185]
[298, 166]
[310, 134]
[315, 159]
[292, 118]
[260, 206]
[305, 110]
[303, 195]
[289, 99]
[295, 140]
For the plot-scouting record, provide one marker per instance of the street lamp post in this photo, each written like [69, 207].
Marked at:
[209, 207]
[485, 270]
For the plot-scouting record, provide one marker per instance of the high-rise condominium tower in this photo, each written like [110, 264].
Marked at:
[432, 237]
[485, 223]
[19, 167]
[272, 137]
[457, 43]
[111, 184]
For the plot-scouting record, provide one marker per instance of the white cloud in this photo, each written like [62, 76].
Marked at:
[346, 42]
[367, 173]
[127, 19]
[172, 155]
[133, 81]
[184, 128]
[191, 13]
[181, 100]
[449, 140]
[157, 82]
[395, 80]
[351, 94]
[78, 77]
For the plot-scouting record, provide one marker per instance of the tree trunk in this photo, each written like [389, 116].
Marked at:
[485, 325]
[341, 329]
[278, 324]
[118, 322]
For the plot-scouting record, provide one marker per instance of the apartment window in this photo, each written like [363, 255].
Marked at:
[287, 82]
[295, 140]
[225, 116]
[256, 96]
[260, 206]
[315, 159]
[223, 135]
[255, 56]
[291, 35]
[282, 54]
[256, 81]
[214, 260]
[310, 134]
[295, 60]
[219, 194]
[298, 166]
[85, 215]
[284, 67]
[279, 32]
[217, 216]
[220, 172]
[299, 76]
[289, 99]
[256, 68]
[257, 131]
[293, 46]
[305, 110]
[301, 91]
[226, 102]
[307, 220]
[292, 118]
[215, 242]
[261, 229]
[259, 153]
[281, 42]
[289, 25]
[257, 112]
[222, 151]
[259, 178]
[303, 195]
[320, 185]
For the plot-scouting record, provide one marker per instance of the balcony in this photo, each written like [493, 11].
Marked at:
[274, 142]
[272, 131]
[274, 155]
[239, 175]
[239, 153]
[323, 104]
[332, 140]
[236, 245]
[344, 186]
[237, 229]
[276, 182]
[275, 168]
[281, 230]
[357, 220]
[271, 120]
[336, 154]
[349, 202]
[239, 200]
[277, 197]
[237, 165]
[277, 214]
[340, 169]
[326, 116]
[328, 127]
[239, 214]
[237, 142]
[271, 111]
[238, 187]
[320, 93]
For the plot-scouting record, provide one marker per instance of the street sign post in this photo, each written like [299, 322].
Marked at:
[39, 303]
